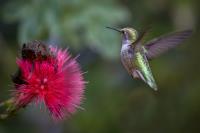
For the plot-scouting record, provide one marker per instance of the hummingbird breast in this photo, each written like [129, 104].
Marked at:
[127, 57]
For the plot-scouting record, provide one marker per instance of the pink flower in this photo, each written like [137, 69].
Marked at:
[50, 76]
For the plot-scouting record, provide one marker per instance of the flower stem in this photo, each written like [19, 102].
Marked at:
[9, 108]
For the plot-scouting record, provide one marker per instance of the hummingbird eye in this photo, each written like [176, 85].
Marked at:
[123, 32]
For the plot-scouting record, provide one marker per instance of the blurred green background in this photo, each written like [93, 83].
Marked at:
[114, 103]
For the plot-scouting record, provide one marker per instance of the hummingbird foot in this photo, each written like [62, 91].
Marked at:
[138, 74]
[135, 74]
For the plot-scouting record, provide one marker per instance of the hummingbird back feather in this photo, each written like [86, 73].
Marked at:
[143, 69]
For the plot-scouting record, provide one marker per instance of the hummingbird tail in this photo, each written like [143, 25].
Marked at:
[150, 81]
[153, 85]
[135, 75]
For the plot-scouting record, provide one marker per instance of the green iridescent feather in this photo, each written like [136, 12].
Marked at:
[143, 68]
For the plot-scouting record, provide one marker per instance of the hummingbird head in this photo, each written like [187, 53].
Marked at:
[128, 34]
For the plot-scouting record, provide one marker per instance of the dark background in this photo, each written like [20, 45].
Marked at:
[114, 103]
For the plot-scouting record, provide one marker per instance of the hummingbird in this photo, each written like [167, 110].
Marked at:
[135, 54]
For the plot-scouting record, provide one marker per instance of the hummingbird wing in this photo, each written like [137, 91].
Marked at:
[143, 70]
[162, 44]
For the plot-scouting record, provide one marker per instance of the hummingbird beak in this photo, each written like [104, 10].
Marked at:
[114, 29]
